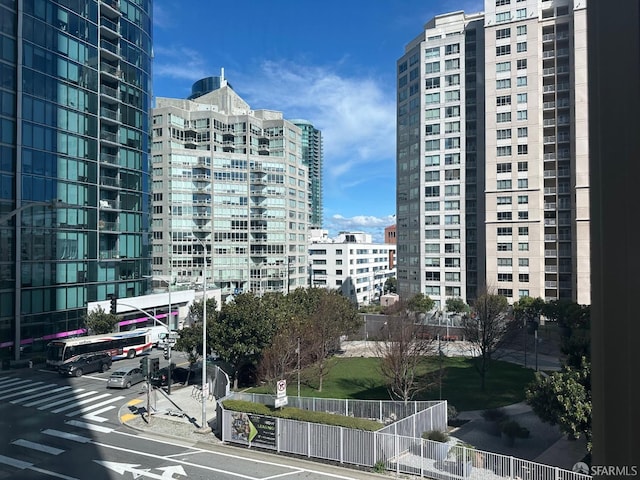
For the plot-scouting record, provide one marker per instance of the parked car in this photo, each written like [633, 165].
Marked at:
[87, 363]
[125, 377]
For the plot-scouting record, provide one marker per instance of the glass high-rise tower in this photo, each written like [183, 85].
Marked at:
[75, 89]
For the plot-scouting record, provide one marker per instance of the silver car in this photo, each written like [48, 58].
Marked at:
[125, 377]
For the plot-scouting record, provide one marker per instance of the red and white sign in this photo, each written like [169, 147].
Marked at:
[281, 389]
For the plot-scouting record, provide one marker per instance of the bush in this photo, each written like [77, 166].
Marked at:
[436, 436]
[494, 415]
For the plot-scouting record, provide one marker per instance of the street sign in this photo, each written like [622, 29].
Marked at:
[281, 402]
[281, 389]
[174, 336]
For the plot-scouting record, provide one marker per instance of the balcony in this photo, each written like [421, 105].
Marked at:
[110, 8]
[548, 71]
[112, 182]
[549, 54]
[111, 70]
[108, 136]
[110, 50]
[109, 92]
[109, 28]
[550, 253]
[549, 105]
[109, 158]
[108, 227]
[108, 114]
[550, 206]
[548, 37]
[109, 204]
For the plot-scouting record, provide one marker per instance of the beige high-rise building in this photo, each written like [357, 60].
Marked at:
[524, 213]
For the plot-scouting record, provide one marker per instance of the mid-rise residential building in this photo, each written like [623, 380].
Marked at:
[390, 237]
[351, 263]
[495, 149]
[312, 157]
[74, 166]
[230, 195]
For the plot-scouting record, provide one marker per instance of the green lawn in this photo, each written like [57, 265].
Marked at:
[360, 378]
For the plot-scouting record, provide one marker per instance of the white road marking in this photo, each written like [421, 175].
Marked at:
[22, 392]
[66, 400]
[91, 407]
[14, 388]
[94, 415]
[81, 402]
[54, 397]
[89, 426]
[66, 435]
[31, 397]
[37, 446]
[15, 462]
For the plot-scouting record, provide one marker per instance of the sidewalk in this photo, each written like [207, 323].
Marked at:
[178, 415]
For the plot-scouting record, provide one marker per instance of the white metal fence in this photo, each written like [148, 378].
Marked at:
[397, 446]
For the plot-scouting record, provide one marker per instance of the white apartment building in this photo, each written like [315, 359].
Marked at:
[511, 178]
[351, 263]
[230, 194]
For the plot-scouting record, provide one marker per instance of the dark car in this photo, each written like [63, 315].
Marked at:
[90, 362]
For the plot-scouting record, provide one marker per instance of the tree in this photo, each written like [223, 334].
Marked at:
[457, 305]
[420, 304]
[564, 399]
[574, 322]
[244, 327]
[99, 321]
[390, 285]
[405, 349]
[487, 329]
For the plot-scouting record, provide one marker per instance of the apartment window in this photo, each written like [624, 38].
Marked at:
[451, 190]
[523, 231]
[452, 49]
[521, 64]
[432, 220]
[431, 145]
[521, 13]
[450, 143]
[523, 149]
[433, 129]
[523, 247]
[431, 83]
[502, 216]
[503, 33]
[505, 262]
[452, 233]
[523, 262]
[504, 184]
[505, 277]
[452, 64]
[499, 3]
[432, 67]
[451, 248]
[523, 132]
[432, 291]
[432, 191]
[432, 261]
[432, 176]
[503, 151]
[452, 219]
[521, 81]
[432, 52]
[522, 115]
[504, 231]
[452, 127]
[523, 183]
[452, 111]
[430, 98]
[503, 50]
[503, 134]
[452, 96]
[503, 67]
[523, 277]
[431, 160]
[521, 47]
[503, 117]
[521, 98]
[452, 174]
[503, 100]
[432, 248]
[505, 292]
[503, 17]
[431, 206]
[432, 113]
[521, 30]
[451, 80]
[523, 293]
[504, 200]
[523, 199]
[504, 83]
[432, 276]
[451, 262]
[452, 276]
[523, 215]
[503, 168]
[505, 247]
[452, 159]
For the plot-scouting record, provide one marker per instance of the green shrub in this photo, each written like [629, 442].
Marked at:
[436, 436]
[494, 415]
[379, 467]
[292, 413]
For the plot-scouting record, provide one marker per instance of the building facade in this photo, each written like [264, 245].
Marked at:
[519, 198]
[230, 195]
[312, 157]
[74, 165]
[351, 263]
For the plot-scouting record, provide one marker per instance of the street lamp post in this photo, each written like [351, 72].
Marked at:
[205, 385]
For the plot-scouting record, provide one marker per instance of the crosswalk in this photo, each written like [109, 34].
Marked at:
[72, 402]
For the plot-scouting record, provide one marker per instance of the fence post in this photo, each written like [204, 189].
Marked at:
[341, 444]
[380, 403]
[511, 467]
[309, 440]
[277, 435]
[375, 448]
[346, 407]
[556, 475]
[397, 452]
[421, 457]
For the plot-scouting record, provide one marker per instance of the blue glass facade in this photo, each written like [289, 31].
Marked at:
[75, 96]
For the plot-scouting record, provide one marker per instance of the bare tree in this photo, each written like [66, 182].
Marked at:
[489, 326]
[404, 350]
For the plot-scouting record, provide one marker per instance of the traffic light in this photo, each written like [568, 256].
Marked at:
[114, 304]
[167, 351]
[154, 367]
[144, 365]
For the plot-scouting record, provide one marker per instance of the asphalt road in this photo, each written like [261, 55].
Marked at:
[68, 428]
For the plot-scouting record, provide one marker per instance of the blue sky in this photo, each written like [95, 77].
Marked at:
[331, 62]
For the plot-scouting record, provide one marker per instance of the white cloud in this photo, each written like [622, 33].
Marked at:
[360, 223]
[179, 63]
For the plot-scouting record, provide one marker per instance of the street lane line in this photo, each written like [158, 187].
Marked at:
[54, 397]
[94, 415]
[89, 426]
[14, 388]
[22, 392]
[88, 408]
[66, 435]
[31, 397]
[52, 474]
[14, 462]
[66, 400]
[37, 446]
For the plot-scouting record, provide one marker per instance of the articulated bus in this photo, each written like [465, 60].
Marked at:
[118, 345]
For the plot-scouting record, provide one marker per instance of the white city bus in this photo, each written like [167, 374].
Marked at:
[118, 345]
